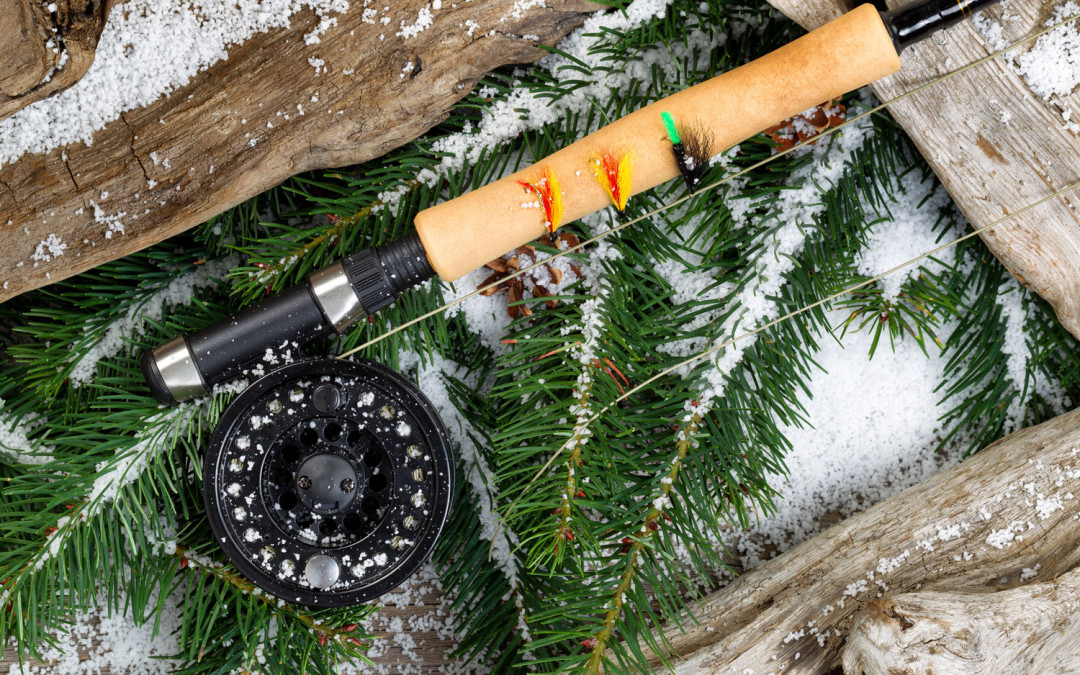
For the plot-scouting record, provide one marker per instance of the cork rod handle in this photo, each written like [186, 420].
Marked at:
[463, 234]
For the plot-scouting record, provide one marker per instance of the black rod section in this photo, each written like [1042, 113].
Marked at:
[914, 23]
[331, 299]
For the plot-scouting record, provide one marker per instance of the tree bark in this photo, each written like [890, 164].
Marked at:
[46, 50]
[971, 529]
[247, 123]
[1033, 629]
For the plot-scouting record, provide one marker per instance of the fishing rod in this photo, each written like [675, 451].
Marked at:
[328, 481]
[635, 153]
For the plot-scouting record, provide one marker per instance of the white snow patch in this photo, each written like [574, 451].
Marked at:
[132, 324]
[905, 231]
[49, 248]
[861, 449]
[15, 441]
[101, 641]
[1050, 67]
[129, 463]
[147, 50]
[423, 20]
[478, 473]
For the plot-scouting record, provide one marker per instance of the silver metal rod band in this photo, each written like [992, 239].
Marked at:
[336, 297]
[177, 367]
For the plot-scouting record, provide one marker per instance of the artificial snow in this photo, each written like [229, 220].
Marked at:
[423, 20]
[906, 231]
[112, 221]
[1050, 67]
[862, 448]
[133, 323]
[49, 248]
[874, 432]
[485, 315]
[148, 49]
[1015, 303]
[128, 464]
[1010, 297]
[481, 478]
[415, 626]
[100, 641]
[781, 245]
[15, 442]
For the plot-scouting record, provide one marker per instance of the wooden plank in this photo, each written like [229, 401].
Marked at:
[995, 145]
[235, 130]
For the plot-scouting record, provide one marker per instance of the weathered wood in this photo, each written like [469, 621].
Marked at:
[1033, 629]
[994, 144]
[31, 69]
[973, 528]
[237, 128]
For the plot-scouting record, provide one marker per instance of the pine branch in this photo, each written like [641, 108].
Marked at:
[633, 549]
[695, 276]
[349, 635]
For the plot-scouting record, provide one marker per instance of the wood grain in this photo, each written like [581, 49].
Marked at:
[994, 144]
[236, 129]
[30, 69]
[972, 528]
[1032, 629]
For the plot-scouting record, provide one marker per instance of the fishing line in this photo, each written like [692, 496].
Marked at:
[512, 506]
[356, 468]
[802, 310]
[730, 177]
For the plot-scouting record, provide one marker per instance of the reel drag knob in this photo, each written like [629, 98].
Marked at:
[328, 482]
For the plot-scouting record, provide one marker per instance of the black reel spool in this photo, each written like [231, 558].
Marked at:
[328, 482]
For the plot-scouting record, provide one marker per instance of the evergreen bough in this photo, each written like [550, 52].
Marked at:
[602, 536]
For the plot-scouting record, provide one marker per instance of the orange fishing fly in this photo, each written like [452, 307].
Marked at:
[614, 176]
[546, 190]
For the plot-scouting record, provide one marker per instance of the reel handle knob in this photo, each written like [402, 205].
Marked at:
[333, 298]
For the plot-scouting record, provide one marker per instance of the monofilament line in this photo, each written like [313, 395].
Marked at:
[802, 310]
[818, 303]
[661, 209]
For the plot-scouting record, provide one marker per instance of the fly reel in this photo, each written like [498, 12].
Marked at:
[328, 482]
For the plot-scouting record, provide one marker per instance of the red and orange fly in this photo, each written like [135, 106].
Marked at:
[613, 174]
[546, 189]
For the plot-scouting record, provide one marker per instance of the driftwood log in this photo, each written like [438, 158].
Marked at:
[994, 144]
[1004, 517]
[235, 130]
[46, 47]
[1033, 629]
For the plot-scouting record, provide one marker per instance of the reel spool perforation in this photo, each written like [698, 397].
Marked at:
[328, 482]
